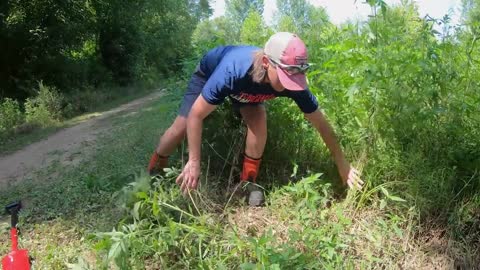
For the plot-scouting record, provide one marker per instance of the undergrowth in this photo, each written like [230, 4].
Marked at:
[302, 226]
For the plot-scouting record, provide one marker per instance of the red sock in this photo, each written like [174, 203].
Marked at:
[157, 163]
[250, 169]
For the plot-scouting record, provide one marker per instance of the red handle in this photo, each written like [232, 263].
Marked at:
[14, 236]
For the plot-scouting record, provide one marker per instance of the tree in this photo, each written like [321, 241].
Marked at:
[471, 15]
[254, 30]
[167, 28]
[201, 9]
[211, 33]
[71, 44]
[300, 17]
[118, 26]
[237, 11]
[36, 37]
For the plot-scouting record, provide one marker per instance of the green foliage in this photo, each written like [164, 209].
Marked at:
[403, 102]
[37, 35]
[44, 109]
[237, 12]
[209, 34]
[202, 9]
[304, 230]
[471, 13]
[155, 35]
[300, 17]
[254, 30]
[393, 91]
[80, 44]
[10, 115]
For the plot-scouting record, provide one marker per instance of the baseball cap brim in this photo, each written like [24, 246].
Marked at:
[295, 82]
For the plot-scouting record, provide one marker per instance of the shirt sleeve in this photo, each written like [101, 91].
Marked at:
[305, 100]
[218, 86]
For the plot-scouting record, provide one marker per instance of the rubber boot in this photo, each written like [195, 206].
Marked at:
[249, 174]
[157, 164]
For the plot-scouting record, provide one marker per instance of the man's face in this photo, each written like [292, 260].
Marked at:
[272, 75]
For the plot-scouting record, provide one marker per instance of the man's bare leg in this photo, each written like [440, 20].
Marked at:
[169, 141]
[255, 118]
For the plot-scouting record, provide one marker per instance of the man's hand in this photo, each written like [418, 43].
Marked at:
[350, 176]
[188, 179]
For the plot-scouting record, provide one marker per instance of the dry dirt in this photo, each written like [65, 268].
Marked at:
[69, 145]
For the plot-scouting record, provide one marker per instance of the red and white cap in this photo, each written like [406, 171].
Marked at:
[288, 49]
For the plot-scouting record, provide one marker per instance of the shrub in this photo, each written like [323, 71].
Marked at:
[46, 108]
[10, 115]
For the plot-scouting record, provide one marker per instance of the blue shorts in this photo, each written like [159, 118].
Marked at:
[194, 89]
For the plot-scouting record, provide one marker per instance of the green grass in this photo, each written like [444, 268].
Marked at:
[21, 140]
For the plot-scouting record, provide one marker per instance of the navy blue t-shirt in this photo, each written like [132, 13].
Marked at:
[227, 71]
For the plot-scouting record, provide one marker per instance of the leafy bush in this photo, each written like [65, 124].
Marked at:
[44, 109]
[10, 115]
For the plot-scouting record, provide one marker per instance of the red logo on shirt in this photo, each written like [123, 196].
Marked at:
[250, 98]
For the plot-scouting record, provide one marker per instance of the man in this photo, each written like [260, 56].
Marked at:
[249, 76]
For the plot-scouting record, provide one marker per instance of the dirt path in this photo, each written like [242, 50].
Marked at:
[68, 145]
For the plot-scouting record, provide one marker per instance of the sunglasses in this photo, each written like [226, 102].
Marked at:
[291, 69]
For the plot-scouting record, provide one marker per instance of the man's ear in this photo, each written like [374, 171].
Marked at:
[265, 62]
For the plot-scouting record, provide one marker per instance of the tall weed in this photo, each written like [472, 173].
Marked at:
[10, 116]
[44, 109]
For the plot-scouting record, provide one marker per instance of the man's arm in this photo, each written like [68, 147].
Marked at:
[189, 176]
[349, 174]
[200, 109]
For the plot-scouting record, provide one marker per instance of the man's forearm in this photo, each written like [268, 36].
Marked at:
[200, 109]
[349, 175]
[328, 136]
[194, 136]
